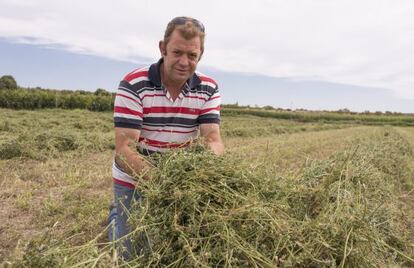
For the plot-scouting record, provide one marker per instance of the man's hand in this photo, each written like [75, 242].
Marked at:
[211, 134]
[126, 154]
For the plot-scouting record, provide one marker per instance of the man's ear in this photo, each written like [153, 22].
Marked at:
[163, 49]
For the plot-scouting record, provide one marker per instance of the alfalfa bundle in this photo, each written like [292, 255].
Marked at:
[200, 210]
[203, 210]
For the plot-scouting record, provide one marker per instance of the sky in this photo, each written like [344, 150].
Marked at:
[321, 54]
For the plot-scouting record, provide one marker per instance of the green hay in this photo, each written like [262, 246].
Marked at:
[202, 210]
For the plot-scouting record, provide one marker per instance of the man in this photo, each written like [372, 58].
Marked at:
[160, 107]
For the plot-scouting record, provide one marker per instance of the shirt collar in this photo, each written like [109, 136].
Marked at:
[155, 77]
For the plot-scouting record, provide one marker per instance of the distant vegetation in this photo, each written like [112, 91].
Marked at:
[8, 82]
[14, 97]
[366, 118]
[38, 98]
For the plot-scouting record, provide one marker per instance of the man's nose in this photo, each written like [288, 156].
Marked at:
[183, 60]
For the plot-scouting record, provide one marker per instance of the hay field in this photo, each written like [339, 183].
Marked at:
[55, 183]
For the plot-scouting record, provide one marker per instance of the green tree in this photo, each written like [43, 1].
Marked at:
[102, 92]
[8, 82]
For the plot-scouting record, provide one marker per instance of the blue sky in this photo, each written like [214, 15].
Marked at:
[290, 54]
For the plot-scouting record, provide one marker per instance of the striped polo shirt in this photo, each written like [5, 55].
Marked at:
[143, 103]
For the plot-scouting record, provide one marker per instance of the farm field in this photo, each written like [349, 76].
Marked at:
[55, 181]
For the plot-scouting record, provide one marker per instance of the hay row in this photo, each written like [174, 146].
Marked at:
[201, 210]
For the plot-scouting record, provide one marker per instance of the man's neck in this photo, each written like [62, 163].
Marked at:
[173, 88]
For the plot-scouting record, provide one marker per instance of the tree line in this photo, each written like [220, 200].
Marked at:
[15, 97]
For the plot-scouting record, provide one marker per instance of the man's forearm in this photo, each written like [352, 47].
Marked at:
[211, 135]
[132, 163]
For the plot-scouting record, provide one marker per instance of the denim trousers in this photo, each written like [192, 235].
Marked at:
[118, 227]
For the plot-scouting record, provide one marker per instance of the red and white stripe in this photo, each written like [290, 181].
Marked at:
[122, 178]
[137, 76]
[154, 104]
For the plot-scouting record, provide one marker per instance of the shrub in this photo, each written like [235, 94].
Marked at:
[43, 98]
[8, 82]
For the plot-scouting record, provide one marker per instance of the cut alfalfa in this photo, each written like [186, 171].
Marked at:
[15, 147]
[56, 141]
[200, 210]
[10, 149]
[347, 208]
[204, 210]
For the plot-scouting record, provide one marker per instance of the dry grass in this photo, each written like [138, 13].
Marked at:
[53, 196]
[289, 153]
[70, 193]
[202, 211]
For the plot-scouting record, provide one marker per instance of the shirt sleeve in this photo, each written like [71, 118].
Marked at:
[128, 112]
[210, 112]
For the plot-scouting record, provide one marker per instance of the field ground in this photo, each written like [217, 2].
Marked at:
[55, 176]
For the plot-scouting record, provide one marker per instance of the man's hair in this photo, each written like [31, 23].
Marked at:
[187, 27]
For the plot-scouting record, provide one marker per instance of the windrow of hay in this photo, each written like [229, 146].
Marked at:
[47, 134]
[242, 126]
[200, 210]
[48, 144]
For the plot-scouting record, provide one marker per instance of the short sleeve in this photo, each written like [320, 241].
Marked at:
[210, 112]
[128, 111]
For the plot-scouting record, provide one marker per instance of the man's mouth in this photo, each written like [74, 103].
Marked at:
[181, 71]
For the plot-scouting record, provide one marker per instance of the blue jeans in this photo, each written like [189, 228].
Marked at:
[118, 220]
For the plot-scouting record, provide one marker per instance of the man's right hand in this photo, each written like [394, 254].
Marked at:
[126, 155]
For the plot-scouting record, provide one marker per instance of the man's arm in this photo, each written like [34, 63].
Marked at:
[126, 154]
[211, 134]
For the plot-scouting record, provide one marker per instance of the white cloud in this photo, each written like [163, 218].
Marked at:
[368, 43]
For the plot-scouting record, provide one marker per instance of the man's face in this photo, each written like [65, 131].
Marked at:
[180, 57]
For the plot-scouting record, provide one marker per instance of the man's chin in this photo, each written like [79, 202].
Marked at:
[181, 77]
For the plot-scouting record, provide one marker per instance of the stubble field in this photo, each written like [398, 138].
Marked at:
[55, 182]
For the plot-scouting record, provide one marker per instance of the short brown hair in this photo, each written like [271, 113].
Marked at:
[188, 28]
